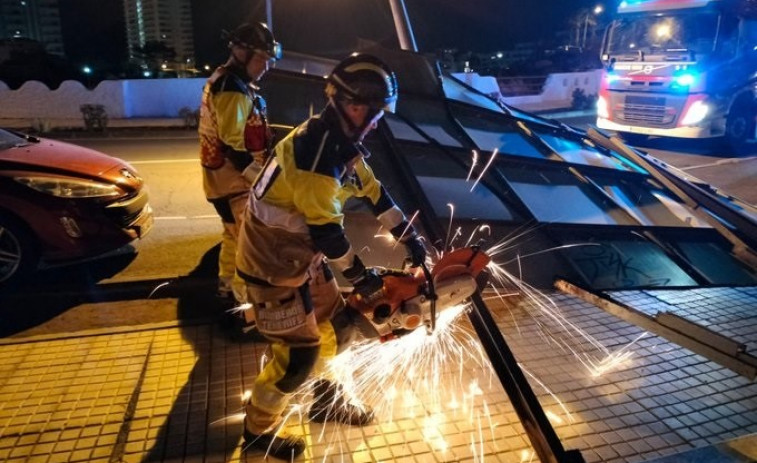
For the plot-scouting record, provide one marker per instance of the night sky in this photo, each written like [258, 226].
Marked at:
[93, 29]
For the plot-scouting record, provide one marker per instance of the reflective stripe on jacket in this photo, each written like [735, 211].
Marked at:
[315, 170]
[232, 129]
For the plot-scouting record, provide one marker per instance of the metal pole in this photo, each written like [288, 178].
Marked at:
[269, 15]
[586, 27]
[402, 24]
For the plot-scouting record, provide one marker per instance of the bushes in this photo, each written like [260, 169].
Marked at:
[191, 117]
[580, 100]
[95, 117]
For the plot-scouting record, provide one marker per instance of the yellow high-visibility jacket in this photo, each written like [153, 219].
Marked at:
[304, 187]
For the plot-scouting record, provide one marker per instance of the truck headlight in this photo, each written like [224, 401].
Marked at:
[603, 110]
[696, 112]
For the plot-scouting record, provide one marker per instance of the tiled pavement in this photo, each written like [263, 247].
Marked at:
[169, 393]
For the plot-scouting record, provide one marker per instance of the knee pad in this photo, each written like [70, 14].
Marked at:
[301, 363]
[344, 328]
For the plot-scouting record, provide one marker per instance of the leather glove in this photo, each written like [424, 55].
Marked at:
[416, 250]
[369, 285]
[365, 281]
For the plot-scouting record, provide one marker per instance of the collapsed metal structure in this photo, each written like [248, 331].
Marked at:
[581, 211]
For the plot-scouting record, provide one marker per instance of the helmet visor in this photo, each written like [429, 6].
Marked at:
[273, 50]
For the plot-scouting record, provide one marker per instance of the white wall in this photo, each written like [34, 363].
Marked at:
[163, 98]
[557, 92]
[153, 98]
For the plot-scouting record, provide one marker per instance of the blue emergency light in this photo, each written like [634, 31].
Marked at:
[611, 77]
[685, 79]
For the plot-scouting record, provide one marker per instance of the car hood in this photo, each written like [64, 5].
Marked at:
[57, 155]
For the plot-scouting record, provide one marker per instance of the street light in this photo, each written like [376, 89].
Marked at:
[596, 11]
[87, 72]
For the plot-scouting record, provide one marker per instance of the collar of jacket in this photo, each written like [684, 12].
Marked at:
[232, 67]
[346, 148]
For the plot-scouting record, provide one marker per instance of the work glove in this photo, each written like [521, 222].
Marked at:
[366, 282]
[416, 251]
[369, 285]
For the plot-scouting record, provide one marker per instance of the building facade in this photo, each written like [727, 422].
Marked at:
[166, 21]
[32, 19]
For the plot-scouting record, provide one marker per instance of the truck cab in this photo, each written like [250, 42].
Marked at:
[683, 69]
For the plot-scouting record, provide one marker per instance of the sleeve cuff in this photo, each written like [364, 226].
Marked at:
[392, 218]
[345, 261]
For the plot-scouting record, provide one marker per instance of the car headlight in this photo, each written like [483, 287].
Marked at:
[64, 187]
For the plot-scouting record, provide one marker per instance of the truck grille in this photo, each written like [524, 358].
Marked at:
[643, 110]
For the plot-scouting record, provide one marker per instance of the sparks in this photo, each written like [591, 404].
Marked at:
[436, 378]
[449, 227]
[157, 288]
[473, 165]
[486, 167]
[408, 227]
[241, 308]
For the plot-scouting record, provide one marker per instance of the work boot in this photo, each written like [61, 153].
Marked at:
[284, 447]
[329, 404]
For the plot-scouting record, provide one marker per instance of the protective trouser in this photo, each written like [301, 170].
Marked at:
[231, 210]
[307, 326]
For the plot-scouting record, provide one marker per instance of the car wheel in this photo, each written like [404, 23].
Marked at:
[634, 138]
[18, 256]
[740, 129]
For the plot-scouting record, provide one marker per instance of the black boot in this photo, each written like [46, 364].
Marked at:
[282, 447]
[329, 404]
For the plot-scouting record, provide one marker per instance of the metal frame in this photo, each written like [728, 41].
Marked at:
[541, 434]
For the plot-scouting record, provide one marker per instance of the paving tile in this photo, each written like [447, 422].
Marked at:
[190, 379]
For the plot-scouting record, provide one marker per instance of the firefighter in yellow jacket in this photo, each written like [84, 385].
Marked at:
[293, 227]
[235, 139]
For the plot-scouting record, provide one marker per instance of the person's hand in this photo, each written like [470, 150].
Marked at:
[368, 284]
[416, 250]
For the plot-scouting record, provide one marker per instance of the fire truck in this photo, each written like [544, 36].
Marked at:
[681, 68]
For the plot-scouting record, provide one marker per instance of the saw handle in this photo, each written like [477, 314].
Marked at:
[431, 296]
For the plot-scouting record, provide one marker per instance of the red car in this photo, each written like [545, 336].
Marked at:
[61, 202]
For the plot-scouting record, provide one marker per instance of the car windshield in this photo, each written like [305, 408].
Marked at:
[669, 35]
[10, 140]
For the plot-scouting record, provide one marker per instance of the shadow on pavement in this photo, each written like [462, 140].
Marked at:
[197, 423]
[52, 292]
[49, 293]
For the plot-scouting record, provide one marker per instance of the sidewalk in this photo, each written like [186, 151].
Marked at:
[174, 393]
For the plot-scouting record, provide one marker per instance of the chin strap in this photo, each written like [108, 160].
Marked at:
[354, 129]
[248, 54]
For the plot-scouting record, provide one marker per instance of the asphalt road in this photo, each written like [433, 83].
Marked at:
[169, 275]
[707, 160]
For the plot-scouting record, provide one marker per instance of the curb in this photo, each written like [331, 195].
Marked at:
[105, 331]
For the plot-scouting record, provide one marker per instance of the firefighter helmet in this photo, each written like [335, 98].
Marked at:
[363, 79]
[254, 36]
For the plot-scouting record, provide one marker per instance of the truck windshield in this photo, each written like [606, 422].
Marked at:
[675, 36]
